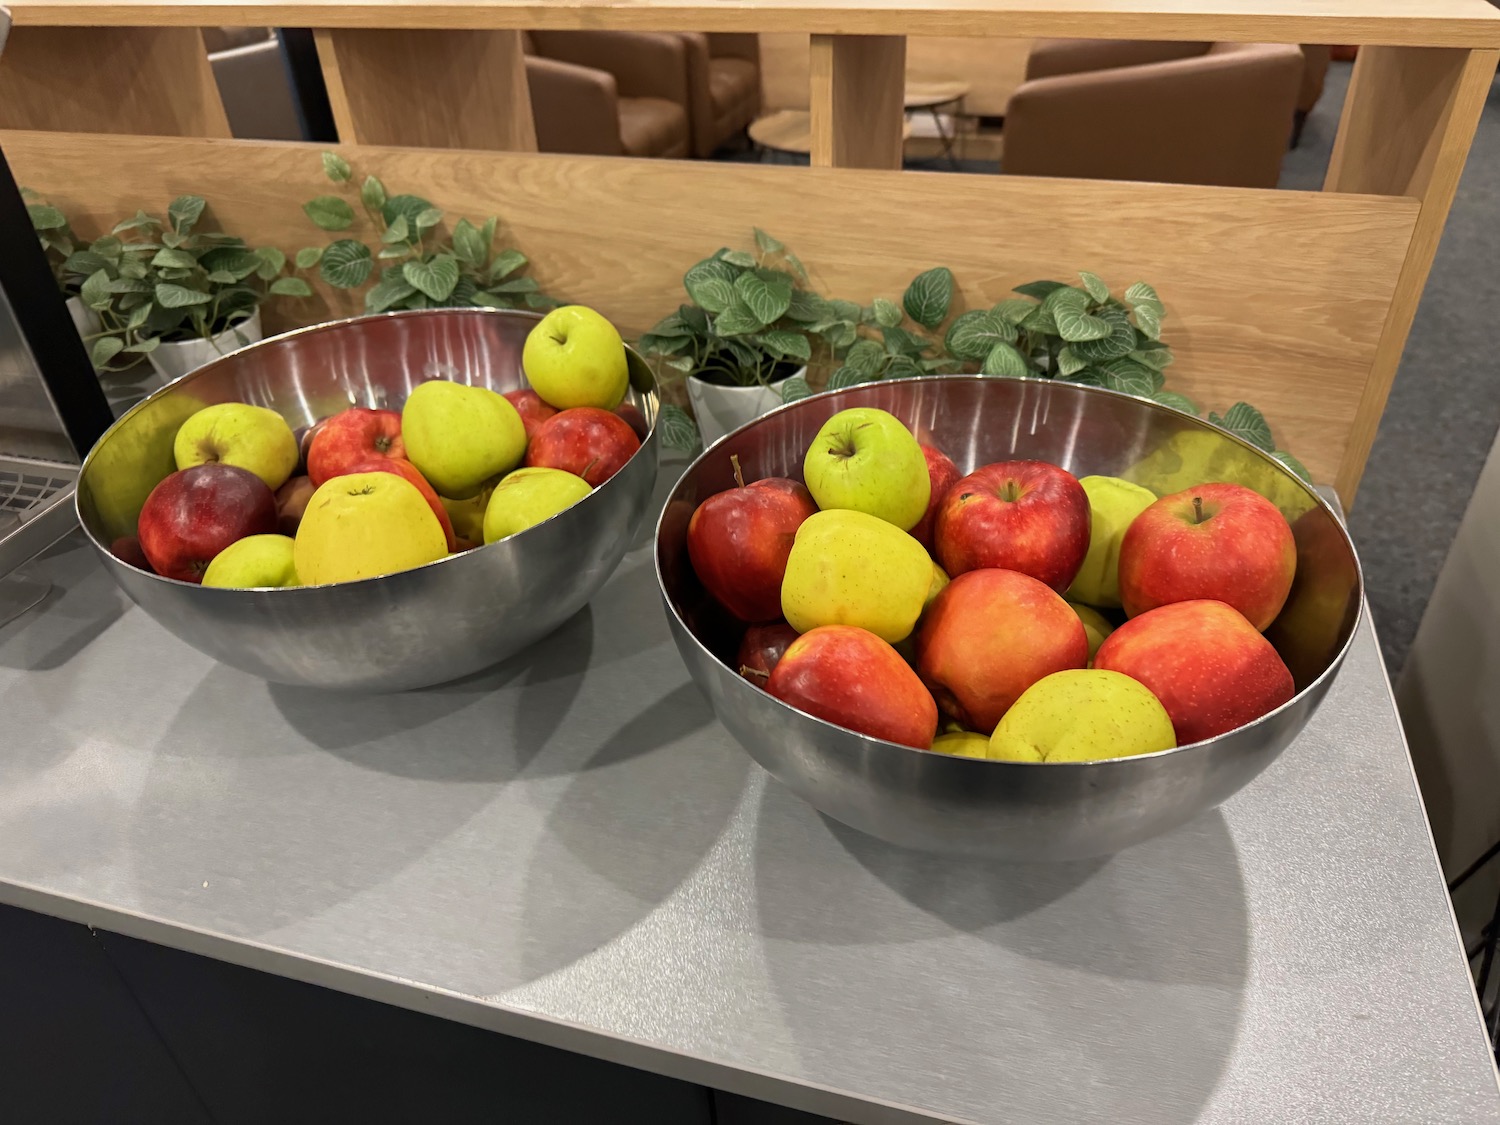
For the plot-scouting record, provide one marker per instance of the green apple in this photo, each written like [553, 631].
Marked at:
[467, 516]
[1095, 625]
[962, 744]
[460, 436]
[574, 357]
[236, 433]
[364, 525]
[1082, 715]
[253, 562]
[527, 497]
[865, 460]
[851, 568]
[935, 587]
[1113, 505]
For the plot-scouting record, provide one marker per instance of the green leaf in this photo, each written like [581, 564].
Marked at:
[1095, 286]
[1176, 402]
[1141, 293]
[389, 252]
[179, 296]
[308, 257]
[1292, 463]
[1069, 362]
[1088, 377]
[468, 244]
[1067, 296]
[398, 231]
[1075, 325]
[372, 194]
[847, 376]
[105, 349]
[678, 430]
[785, 344]
[1244, 421]
[1157, 357]
[898, 341]
[95, 291]
[973, 334]
[336, 168]
[866, 355]
[517, 285]
[767, 244]
[903, 367]
[46, 217]
[84, 262]
[272, 262]
[807, 307]
[737, 320]
[711, 293]
[129, 285]
[1119, 342]
[1038, 289]
[222, 277]
[143, 347]
[409, 205]
[291, 287]
[765, 293]
[1138, 372]
[929, 296]
[436, 278]
[795, 388]
[174, 259]
[428, 218]
[1130, 384]
[346, 264]
[139, 316]
[742, 258]
[506, 262]
[487, 233]
[133, 269]
[142, 221]
[1148, 320]
[1013, 310]
[1004, 360]
[329, 212]
[234, 260]
[886, 313]
[388, 293]
[184, 211]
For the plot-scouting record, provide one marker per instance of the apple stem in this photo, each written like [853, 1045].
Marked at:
[748, 672]
[587, 468]
[739, 477]
[1197, 509]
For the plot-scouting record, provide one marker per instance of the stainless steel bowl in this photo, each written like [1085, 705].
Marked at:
[413, 629]
[1015, 810]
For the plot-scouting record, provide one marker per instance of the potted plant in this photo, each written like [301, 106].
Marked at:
[58, 243]
[745, 337]
[427, 269]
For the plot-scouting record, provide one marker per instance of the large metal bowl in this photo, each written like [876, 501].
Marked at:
[413, 629]
[1016, 810]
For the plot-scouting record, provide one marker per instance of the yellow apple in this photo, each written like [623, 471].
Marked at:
[253, 562]
[236, 433]
[1095, 625]
[963, 744]
[460, 436]
[851, 568]
[467, 516]
[527, 497]
[935, 587]
[1082, 715]
[364, 525]
[1113, 505]
[575, 357]
[866, 460]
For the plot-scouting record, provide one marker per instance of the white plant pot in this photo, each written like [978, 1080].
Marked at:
[722, 409]
[85, 319]
[174, 360]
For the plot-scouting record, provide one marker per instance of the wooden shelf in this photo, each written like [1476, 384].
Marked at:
[1431, 23]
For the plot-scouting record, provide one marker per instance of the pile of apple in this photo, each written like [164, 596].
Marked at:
[365, 492]
[893, 596]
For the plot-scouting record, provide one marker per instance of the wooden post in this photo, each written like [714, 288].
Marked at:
[1408, 121]
[858, 85]
[430, 89]
[149, 80]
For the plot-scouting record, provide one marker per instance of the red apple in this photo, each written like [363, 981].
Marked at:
[1211, 668]
[401, 467]
[944, 474]
[988, 637]
[127, 549]
[1027, 516]
[531, 408]
[1222, 542]
[291, 502]
[849, 676]
[351, 437]
[632, 414]
[195, 513]
[739, 540]
[586, 441]
[761, 648]
[304, 436]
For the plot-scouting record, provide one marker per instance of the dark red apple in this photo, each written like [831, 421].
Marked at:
[531, 408]
[761, 648]
[739, 540]
[849, 676]
[585, 441]
[195, 513]
[944, 475]
[401, 467]
[350, 437]
[632, 414]
[127, 549]
[304, 436]
[291, 502]
[1026, 516]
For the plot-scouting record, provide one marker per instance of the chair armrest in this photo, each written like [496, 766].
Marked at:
[700, 103]
[1051, 57]
[645, 64]
[576, 109]
[734, 45]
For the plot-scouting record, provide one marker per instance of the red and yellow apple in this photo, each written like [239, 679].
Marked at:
[404, 468]
[943, 474]
[235, 433]
[531, 408]
[351, 437]
[739, 541]
[363, 525]
[195, 513]
[586, 441]
[761, 648]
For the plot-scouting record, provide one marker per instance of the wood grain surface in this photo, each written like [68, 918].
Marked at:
[856, 105]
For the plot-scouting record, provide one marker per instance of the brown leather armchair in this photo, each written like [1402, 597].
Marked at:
[1195, 113]
[723, 76]
[609, 93]
[1314, 74]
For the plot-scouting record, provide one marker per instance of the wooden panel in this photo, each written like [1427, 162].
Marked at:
[438, 89]
[856, 86]
[1436, 23]
[110, 80]
[1274, 297]
[1408, 121]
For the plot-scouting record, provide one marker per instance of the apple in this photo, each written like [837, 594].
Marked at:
[363, 525]
[852, 678]
[988, 637]
[1095, 625]
[738, 541]
[1220, 542]
[761, 648]
[585, 441]
[351, 437]
[404, 468]
[291, 502]
[467, 516]
[632, 414]
[1083, 715]
[254, 562]
[526, 497]
[943, 474]
[460, 436]
[574, 357]
[1113, 506]
[962, 744]
[531, 408]
[127, 548]
[235, 433]
[1027, 516]
[852, 568]
[195, 513]
[865, 460]
[305, 436]
[1209, 666]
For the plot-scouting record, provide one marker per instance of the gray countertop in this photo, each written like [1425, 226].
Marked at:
[570, 849]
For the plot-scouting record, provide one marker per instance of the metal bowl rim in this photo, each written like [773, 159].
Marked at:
[1333, 664]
